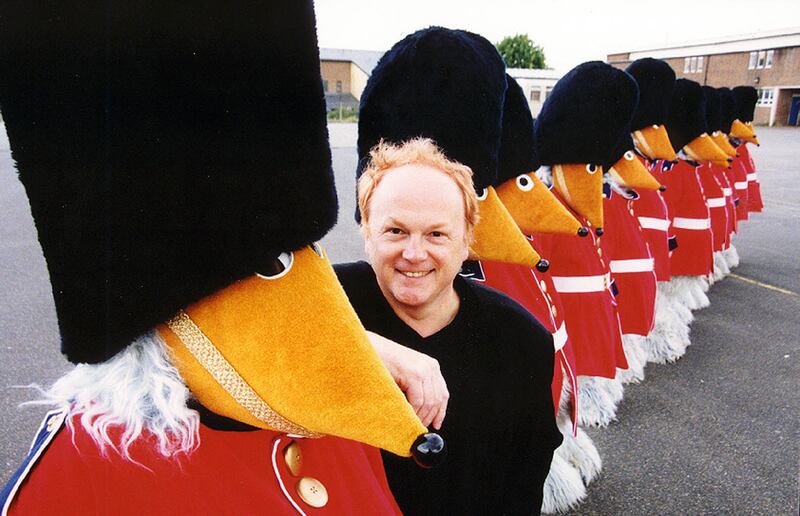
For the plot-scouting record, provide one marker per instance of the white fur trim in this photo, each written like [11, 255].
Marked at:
[597, 400]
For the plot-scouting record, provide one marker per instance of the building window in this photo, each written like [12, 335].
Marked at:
[762, 57]
[700, 63]
[536, 95]
[338, 86]
[325, 86]
[687, 64]
[770, 57]
[548, 90]
[752, 64]
[766, 96]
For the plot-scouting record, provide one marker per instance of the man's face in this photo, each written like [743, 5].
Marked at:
[415, 239]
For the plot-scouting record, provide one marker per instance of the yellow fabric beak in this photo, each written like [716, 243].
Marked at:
[581, 186]
[654, 143]
[703, 148]
[744, 131]
[534, 208]
[631, 173]
[497, 237]
[722, 142]
[288, 353]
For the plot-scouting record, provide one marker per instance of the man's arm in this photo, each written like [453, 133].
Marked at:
[418, 376]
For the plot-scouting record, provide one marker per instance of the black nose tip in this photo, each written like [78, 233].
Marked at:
[583, 231]
[429, 450]
[662, 188]
[599, 231]
[730, 160]
[543, 265]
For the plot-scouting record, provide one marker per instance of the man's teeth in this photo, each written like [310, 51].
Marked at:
[415, 274]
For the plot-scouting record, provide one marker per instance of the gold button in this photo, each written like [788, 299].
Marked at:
[631, 210]
[555, 312]
[599, 252]
[293, 458]
[51, 424]
[549, 298]
[312, 492]
[605, 281]
[543, 286]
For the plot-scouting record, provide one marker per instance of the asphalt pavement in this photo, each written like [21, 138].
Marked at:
[718, 432]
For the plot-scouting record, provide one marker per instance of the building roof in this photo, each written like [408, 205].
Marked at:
[778, 38]
[364, 59]
[533, 73]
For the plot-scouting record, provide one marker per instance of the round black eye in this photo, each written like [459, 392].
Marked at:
[483, 193]
[278, 267]
[318, 249]
[524, 183]
[629, 155]
[590, 168]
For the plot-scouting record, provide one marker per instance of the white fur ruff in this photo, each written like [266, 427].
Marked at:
[138, 390]
[597, 400]
[669, 338]
[637, 358]
[563, 487]
[731, 257]
[721, 269]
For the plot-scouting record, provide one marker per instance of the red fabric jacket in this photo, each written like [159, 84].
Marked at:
[651, 210]
[231, 472]
[755, 202]
[717, 204]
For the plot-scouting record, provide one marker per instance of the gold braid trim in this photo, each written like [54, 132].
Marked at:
[226, 376]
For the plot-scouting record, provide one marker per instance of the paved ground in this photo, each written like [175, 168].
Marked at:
[715, 433]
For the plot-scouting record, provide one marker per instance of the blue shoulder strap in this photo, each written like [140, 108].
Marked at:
[52, 423]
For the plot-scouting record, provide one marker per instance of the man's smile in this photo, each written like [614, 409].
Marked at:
[414, 274]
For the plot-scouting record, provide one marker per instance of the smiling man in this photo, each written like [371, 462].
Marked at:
[418, 211]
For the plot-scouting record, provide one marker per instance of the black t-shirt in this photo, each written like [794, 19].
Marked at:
[500, 428]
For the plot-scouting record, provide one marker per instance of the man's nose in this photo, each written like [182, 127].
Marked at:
[414, 249]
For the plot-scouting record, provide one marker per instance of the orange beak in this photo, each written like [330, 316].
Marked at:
[744, 131]
[703, 148]
[722, 142]
[654, 143]
[497, 237]
[631, 173]
[534, 208]
[581, 186]
[288, 353]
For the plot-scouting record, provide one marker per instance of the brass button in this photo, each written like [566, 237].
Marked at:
[293, 458]
[631, 210]
[312, 492]
[599, 252]
[52, 423]
[555, 312]
[543, 286]
[549, 298]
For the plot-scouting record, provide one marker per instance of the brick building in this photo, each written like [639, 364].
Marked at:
[344, 75]
[768, 61]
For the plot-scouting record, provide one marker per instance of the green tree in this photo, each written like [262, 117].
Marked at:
[520, 52]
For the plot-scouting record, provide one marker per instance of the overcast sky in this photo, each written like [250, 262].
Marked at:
[571, 31]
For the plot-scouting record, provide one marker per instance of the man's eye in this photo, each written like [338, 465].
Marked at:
[396, 231]
[437, 234]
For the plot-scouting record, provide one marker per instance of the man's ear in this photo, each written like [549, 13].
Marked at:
[365, 233]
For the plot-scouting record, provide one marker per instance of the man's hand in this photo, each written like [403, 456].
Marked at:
[418, 376]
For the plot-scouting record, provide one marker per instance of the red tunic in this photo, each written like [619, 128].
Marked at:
[724, 176]
[715, 199]
[691, 222]
[740, 186]
[631, 265]
[755, 203]
[651, 210]
[231, 472]
[582, 279]
[535, 291]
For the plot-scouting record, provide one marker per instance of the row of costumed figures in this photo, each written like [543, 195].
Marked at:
[607, 218]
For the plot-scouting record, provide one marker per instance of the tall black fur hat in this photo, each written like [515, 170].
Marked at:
[687, 113]
[518, 143]
[656, 80]
[623, 145]
[713, 109]
[168, 150]
[443, 84]
[586, 114]
[727, 109]
[746, 99]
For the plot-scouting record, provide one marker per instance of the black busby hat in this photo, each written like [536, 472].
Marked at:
[656, 80]
[623, 145]
[443, 84]
[713, 108]
[727, 109]
[687, 113]
[585, 115]
[518, 143]
[167, 151]
[746, 99]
